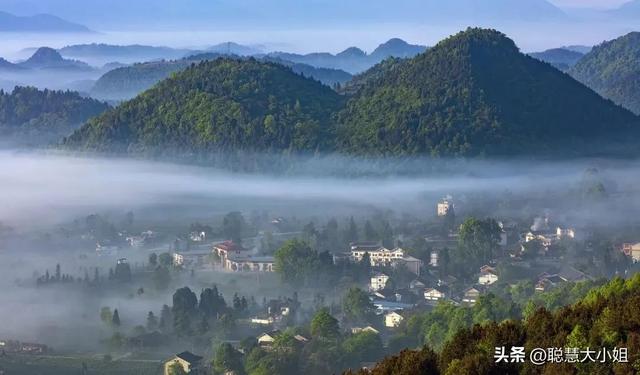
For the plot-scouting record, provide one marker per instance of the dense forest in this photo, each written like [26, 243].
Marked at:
[475, 94]
[613, 70]
[561, 58]
[29, 116]
[220, 105]
[607, 317]
[127, 82]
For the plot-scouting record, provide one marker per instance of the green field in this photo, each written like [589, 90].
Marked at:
[53, 365]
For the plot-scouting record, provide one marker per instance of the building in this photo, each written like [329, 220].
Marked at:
[632, 250]
[198, 236]
[487, 277]
[393, 319]
[445, 206]
[378, 282]
[189, 362]
[565, 233]
[249, 263]
[378, 255]
[431, 294]
[191, 258]
[370, 329]
[471, 295]
[267, 339]
[433, 259]
[224, 249]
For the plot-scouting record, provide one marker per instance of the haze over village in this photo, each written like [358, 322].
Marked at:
[318, 187]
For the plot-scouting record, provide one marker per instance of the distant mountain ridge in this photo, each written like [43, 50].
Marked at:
[38, 23]
[353, 59]
[561, 58]
[127, 82]
[49, 58]
[613, 70]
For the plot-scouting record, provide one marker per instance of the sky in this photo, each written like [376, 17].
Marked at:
[305, 26]
[588, 3]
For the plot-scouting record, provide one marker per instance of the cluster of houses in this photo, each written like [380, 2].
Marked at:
[17, 347]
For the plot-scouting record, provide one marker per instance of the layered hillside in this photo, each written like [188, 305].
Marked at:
[32, 117]
[607, 318]
[613, 70]
[127, 82]
[216, 106]
[561, 58]
[475, 94]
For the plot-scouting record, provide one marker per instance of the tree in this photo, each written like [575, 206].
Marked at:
[351, 232]
[296, 262]
[324, 325]
[115, 320]
[370, 233]
[185, 303]
[122, 272]
[166, 319]
[176, 369]
[362, 347]
[106, 315]
[165, 259]
[161, 278]
[233, 226]
[153, 259]
[227, 359]
[152, 322]
[477, 241]
[356, 305]
[212, 303]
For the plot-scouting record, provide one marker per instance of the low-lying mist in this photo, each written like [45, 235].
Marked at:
[42, 192]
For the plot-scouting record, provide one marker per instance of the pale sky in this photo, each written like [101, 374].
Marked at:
[589, 3]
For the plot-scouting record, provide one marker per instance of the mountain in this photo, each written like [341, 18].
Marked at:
[99, 54]
[613, 70]
[561, 58]
[354, 60]
[231, 48]
[32, 117]
[605, 318]
[127, 82]
[7, 66]
[49, 58]
[396, 48]
[223, 105]
[38, 23]
[475, 94]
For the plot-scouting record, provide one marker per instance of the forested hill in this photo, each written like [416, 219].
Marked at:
[29, 116]
[476, 94]
[608, 317]
[127, 82]
[613, 70]
[217, 106]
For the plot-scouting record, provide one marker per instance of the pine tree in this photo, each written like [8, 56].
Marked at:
[116, 318]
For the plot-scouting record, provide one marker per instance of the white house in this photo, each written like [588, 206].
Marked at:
[378, 282]
[444, 206]
[487, 278]
[393, 319]
[431, 294]
[471, 295]
[370, 329]
[268, 338]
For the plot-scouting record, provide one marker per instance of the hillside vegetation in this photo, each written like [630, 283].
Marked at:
[217, 106]
[475, 94]
[613, 70]
[608, 317]
[29, 116]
